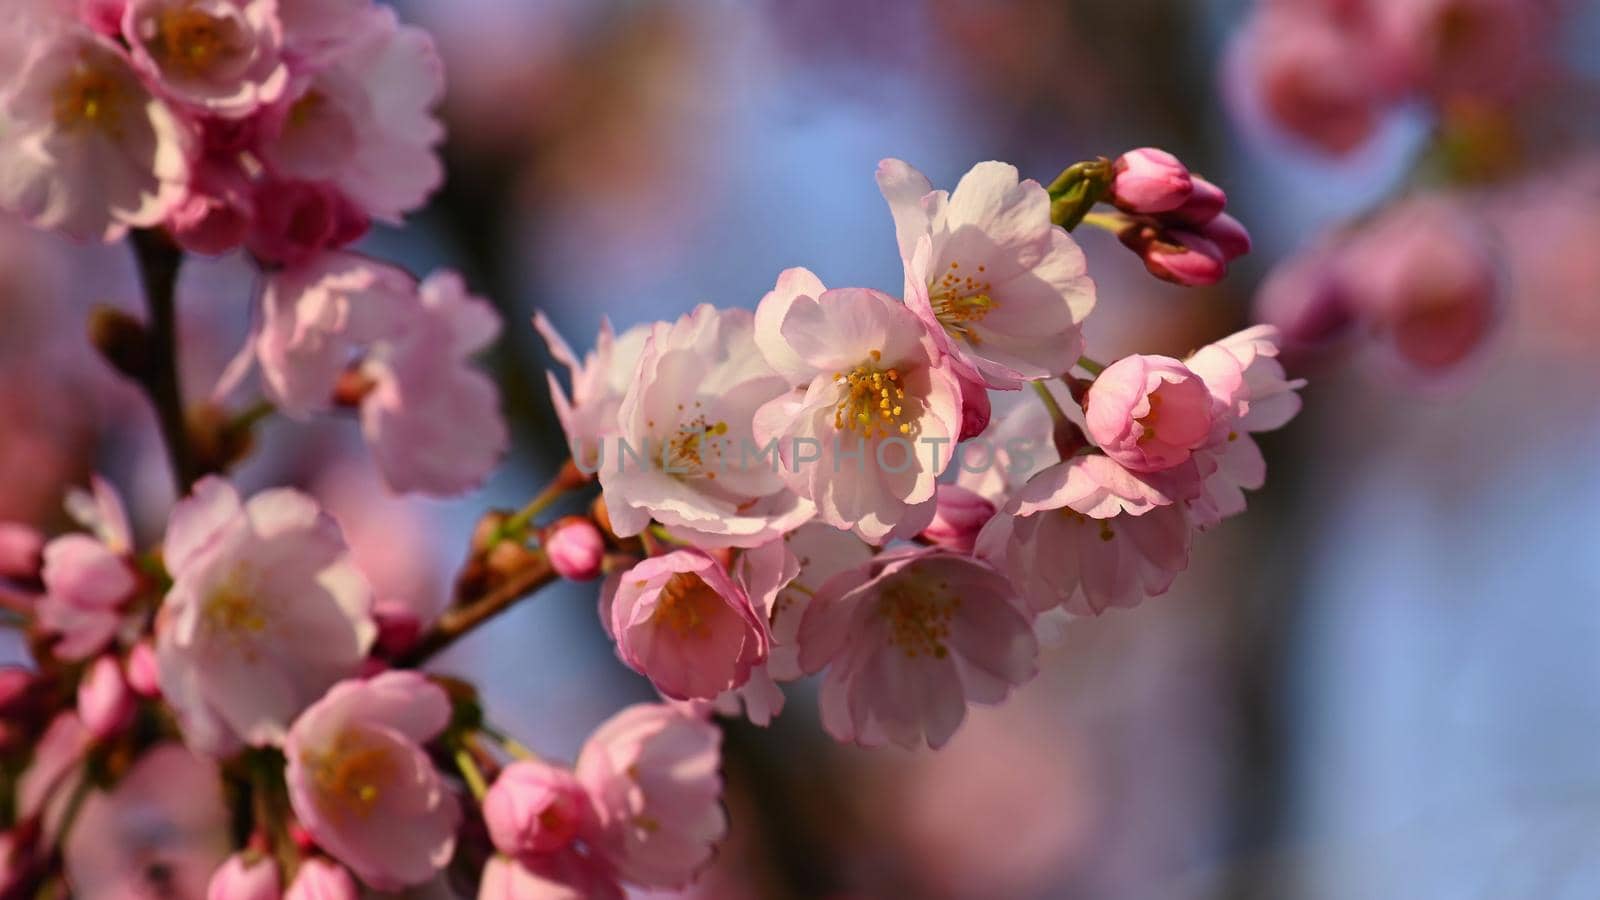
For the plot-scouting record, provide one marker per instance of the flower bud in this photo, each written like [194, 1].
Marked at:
[533, 808]
[144, 673]
[1149, 413]
[321, 879]
[1205, 203]
[244, 878]
[21, 551]
[1230, 236]
[1150, 181]
[975, 409]
[1185, 258]
[104, 702]
[296, 220]
[576, 548]
[959, 515]
[398, 627]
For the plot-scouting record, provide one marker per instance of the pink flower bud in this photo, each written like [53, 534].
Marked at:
[399, 627]
[1229, 235]
[975, 408]
[240, 878]
[104, 702]
[1204, 204]
[144, 673]
[321, 879]
[1305, 301]
[959, 516]
[576, 548]
[215, 217]
[1185, 258]
[1149, 412]
[533, 808]
[21, 551]
[296, 220]
[1150, 181]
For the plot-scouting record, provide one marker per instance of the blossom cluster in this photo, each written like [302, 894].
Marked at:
[1329, 72]
[899, 491]
[1418, 280]
[861, 539]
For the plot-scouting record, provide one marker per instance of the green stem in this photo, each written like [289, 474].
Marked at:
[1111, 222]
[1090, 366]
[252, 416]
[159, 261]
[1057, 415]
[470, 772]
[566, 480]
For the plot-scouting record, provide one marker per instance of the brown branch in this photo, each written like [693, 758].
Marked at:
[463, 619]
[159, 261]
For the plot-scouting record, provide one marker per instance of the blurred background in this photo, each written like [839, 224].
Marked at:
[1383, 682]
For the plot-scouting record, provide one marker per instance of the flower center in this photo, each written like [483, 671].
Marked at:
[686, 605]
[190, 39]
[353, 773]
[90, 98]
[919, 615]
[685, 448]
[233, 611]
[1151, 420]
[873, 404]
[961, 301]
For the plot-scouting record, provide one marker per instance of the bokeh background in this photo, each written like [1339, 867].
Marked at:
[1382, 682]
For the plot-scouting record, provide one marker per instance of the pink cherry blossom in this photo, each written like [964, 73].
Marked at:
[1427, 279]
[245, 877]
[682, 622]
[321, 879]
[220, 56]
[45, 787]
[651, 773]
[362, 785]
[1088, 535]
[1473, 48]
[1316, 72]
[561, 876]
[88, 579]
[1252, 394]
[909, 641]
[1149, 413]
[534, 808]
[870, 431]
[161, 831]
[266, 611]
[690, 414]
[1003, 290]
[432, 419]
[88, 149]
[781, 578]
[363, 120]
[599, 381]
[315, 319]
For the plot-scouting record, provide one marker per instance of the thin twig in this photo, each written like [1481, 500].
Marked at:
[458, 622]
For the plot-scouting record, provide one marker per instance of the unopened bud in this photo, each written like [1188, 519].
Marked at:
[122, 340]
[1150, 181]
[105, 704]
[960, 514]
[576, 548]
